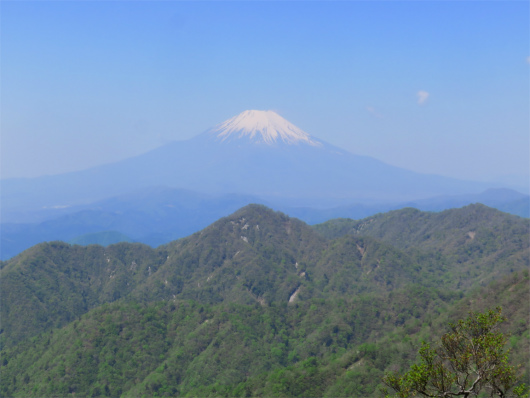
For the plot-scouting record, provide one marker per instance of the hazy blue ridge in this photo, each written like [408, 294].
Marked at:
[103, 238]
[158, 215]
[322, 172]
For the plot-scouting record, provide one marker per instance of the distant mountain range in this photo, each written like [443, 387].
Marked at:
[255, 157]
[152, 216]
[255, 153]
[159, 215]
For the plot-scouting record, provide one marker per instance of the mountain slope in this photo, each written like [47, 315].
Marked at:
[261, 127]
[256, 304]
[52, 284]
[257, 153]
[184, 348]
[257, 256]
[428, 230]
[474, 240]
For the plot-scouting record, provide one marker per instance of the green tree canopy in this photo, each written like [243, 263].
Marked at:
[470, 359]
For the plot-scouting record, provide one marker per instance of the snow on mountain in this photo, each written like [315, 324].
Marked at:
[265, 127]
[266, 157]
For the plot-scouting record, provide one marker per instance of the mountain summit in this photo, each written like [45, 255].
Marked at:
[256, 153]
[261, 127]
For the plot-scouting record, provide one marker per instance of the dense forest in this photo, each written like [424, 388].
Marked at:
[258, 304]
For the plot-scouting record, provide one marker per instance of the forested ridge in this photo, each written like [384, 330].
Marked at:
[258, 304]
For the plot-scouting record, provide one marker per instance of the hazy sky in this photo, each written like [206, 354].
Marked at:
[437, 87]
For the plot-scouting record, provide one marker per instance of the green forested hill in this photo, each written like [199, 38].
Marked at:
[52, 284]
[314, 348]
[443, 231]
[478, 243]
[257, 304]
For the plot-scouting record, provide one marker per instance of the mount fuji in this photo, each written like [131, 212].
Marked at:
[260, 127]
[254, 153]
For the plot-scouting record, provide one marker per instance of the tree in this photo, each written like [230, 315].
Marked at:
[470, 359]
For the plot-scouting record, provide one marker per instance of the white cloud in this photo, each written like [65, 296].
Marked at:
[422, 97]
[528, 60]
[372, 110]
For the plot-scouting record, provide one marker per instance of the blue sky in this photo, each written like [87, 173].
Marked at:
[435, 87]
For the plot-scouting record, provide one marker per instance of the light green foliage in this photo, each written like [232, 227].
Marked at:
[209, 315]
[470, 358]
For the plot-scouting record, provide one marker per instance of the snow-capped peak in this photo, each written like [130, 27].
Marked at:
[262, 126]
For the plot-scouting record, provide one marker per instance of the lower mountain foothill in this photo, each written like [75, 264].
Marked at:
[259, 304]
